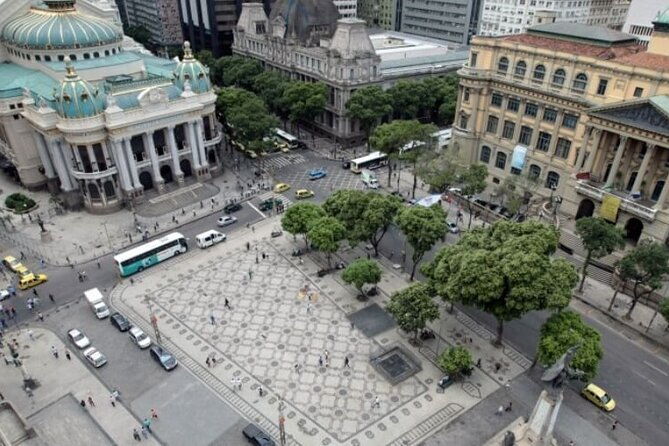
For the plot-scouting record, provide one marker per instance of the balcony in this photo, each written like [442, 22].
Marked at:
[94, 175]
[642, 209]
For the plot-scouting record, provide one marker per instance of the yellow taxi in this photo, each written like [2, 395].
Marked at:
[13, 264]
[281, 187]
[304, 193]
[32, 280]
[597, 396]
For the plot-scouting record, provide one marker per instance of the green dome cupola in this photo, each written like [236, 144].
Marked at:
[192, 71]
[58, 25]
[76, 98]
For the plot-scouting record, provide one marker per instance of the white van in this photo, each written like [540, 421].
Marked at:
[97, 302]
[209, 238]
[369, 178]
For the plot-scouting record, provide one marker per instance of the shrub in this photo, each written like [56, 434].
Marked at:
[19, 202]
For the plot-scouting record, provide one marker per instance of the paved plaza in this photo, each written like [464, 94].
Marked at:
[273, 335]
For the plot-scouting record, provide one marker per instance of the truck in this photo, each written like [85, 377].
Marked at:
[97, 302]
[369, 178]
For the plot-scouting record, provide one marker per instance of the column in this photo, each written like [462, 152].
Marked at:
[616, 161]
[661, 203]
[190, 135]
[150, 147]
[650, 150]
[44, 155]
[66, 154]
[119, 160]
[172, 144]
[593, 151]
[60, 165]
[584, 147]
[132, 164]
[199, 136]
[91, 156]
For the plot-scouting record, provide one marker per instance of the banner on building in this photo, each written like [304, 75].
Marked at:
[609, 209]
[518, 158]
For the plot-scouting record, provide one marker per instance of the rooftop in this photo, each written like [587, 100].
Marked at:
[17, 78]
[593, 35]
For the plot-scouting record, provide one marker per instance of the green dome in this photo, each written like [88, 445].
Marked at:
[75, 98]
[59, 26]
[662, 17]
[190, 69]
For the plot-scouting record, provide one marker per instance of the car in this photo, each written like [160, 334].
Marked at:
[5, 294]
[95, 357]
[139, 338]
[316, 174]
[452, 227]
[598, 396]
[455, 190]
[119, 321]
[445, 382]
[257, 436]
[281, 187]
[345, 164]
[78, 338]
[251, 154]
[268, 204]
[163, 357]
[232, 207]
[32, 280]
[226, 220]
[12, 263]
[304, 193]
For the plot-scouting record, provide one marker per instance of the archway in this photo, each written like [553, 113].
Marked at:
[110, 192]
[211, 157]
[93, 191]
[166, 173]
[146, 180]
[185, 168]
[633, 229]
[585, 209]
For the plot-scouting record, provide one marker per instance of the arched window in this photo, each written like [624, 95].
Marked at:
[87, 56]
[38, 58]
[47, 58]
[580, 82]
[503, 65]
[539, 73]
[534, 172]
[110, 192]
[657, 191]
[500, 161]
[485, 154]
[558, 77]
[521, 69]
[93, 191]
[106, 52]
[552, 180]
[96, 55]
[73, 57]
[61, 57]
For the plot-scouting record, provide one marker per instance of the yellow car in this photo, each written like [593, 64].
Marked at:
[32, 280]
[251, 154]
[304, 193]
[597, 396]
[281, 187]
[13, 264]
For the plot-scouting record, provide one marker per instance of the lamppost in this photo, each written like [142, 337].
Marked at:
[154, 321]
[104, 225]
[282, 423]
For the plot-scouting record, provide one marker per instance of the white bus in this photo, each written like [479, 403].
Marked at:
[372, 161]
[151, 253]
[286, 138]
[441, 139]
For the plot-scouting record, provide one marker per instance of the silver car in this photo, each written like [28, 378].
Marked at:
[139, 338]
[226, 220]
[78, 338]
[95, 357]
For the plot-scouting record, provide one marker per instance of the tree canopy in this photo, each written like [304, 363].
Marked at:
[422, 227]
[600, 238]
[139, 34]
[369, 105]
[506, 270]
[270, 86]
[455, 361]
[664, 310]
[237, 71]
[409, 98]
[304, 100]
[245, 116]
[361, 272]
[377, 218]
[298, 219]
[347, 205]
[473, 182]
[325, 234]
[413, 307]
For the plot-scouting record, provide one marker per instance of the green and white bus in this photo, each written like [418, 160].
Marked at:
[151, 253]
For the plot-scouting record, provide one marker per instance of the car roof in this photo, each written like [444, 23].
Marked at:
[9, 259]
[596, 389]
[74, 331]
[136, 330]
[90, 350]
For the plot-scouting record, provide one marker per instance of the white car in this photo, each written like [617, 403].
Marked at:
[4, 294]
[139, 338]
[78, 338]
[96, 358]
[226, 220]
[452, 227]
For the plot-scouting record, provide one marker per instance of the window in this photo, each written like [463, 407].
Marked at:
[38, 57]
[500, 161]
[513, 104]
[472, 60]
[559, 77]
[601, 88]
[569, 121]
[638, 92]
[503, 65]
[550, 115]
[521, 69]
[525, 135]
[465, 95]
[485, 154]
[47, 58]
[496, 100]
[544, 141]
[580, 82]
[531, 110]
[508, 130]
[552, 180]
[491, 126]
[539, 73]
[464, 120]
[534, 173]
[657, 191]
[562, 148]
[515, 170]
[631, 181]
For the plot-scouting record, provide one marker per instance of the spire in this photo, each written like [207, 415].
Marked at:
[188, 53]
[71, 73]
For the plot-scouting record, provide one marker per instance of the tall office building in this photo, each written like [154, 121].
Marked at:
[451, 20]
[640, 18]
[379, 13]
[160, 17]
[347, 8]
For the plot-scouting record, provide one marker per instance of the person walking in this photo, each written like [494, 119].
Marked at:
[376, 403]
[346, 362]
[145, 432]
[54, 352]
[509, 407]
[227, 304]
[500, 410]
[40, 316]
[67, 355]
[35, 292]
[615, 424]
[320, 361]
[208, 361]
[90, 401]
[478, 363]
[31, 335]
[147, 424]
[212, 319]
[135, 435]
[154, 414]
[260, 391]
[112, 399]
[51, 298]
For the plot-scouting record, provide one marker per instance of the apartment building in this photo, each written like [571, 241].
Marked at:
[454, 21]
[160, 17]
[640, 18]
[380, 13]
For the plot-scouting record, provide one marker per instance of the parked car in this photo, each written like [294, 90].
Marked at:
[119, 321]
[96, 358]
[139, 338]
[445, 382]
[163, 357]
[318, 173]
[12, 263]
[5, 294]
[226, 220]
[232, 207]
[452, 227]
[257, 436]
[78, 338]
[304, 193]
[281, 187]
[598, 396]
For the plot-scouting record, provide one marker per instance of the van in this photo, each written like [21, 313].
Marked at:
[370, 180]
[97, 303]
[209, 238]
[30, 280]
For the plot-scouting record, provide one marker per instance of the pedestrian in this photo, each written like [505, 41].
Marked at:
[147, 424]
[154, 414]
[263, 256]
[509, 407]
[212, 319]
[51, 298]
[54, 352]
[250, 274]
[208, 361]
[571, 443]
[615, 424]
[42, 263]
[392, 253]
[478, 363]
[82, 403]
[233, 383]
[35, 292]
[248, 246]
[507, 386]
[347, 362]
[320, 361]
[327, 355]
[260, 391]
[309, 306]
[135, 435]
[500, 410]
[31, 335]
[40, 316]
[90, 401]
[297, 367]
[256, 259]
[376, 403]
[227, 304]
[67, 355]
[99, 265]
[23, 256]
[145, 432]
[112, 399]
[497, 366]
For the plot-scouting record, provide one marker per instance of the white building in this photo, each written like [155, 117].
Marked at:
[640, 18]
[504, 17]
[347, 8]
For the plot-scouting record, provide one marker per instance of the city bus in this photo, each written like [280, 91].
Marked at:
[286, 138]
[372, 161]
[151, 253]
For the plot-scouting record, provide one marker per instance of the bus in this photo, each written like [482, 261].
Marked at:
[151, 253]
[288, 139]
[442, 139]
[372, 161]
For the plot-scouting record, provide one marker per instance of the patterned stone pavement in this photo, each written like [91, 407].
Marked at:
[273, 335]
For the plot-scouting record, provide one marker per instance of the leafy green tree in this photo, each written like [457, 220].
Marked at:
[600, 238]
[563, 330]
[325, 234]
[237, 71]
[270, 86]
[664, 311]
[413, 308]
[422, 227]
[645, 266]
[304, 100]
[438, 169]
[347, 205]
[377, 218]
[389, 138]
[408, 98]
[473, 182]
[206, 58]
[455, 361]
[246, 117]
[506, 270]
[369, 105]
[139, 33]
[447, 99]
[421, 143]
[517, 190]
[362, 272]
[298, 219]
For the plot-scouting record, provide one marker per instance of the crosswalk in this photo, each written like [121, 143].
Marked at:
[287, 202]
[285, 159]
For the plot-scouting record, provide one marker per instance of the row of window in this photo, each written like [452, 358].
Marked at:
[569, 120]
[562, 147]
[558, 78]
[61, 57]
[534, 171]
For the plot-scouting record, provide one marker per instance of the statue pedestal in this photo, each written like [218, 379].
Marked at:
[46, 236]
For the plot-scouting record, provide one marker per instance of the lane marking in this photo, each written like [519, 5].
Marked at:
[657, 369]
[644, 377]
[256, 209]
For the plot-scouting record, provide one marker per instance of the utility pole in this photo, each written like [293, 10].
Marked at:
[282, 424]
[154, 322]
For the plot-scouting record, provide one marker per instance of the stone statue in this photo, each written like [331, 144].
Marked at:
[561, 371]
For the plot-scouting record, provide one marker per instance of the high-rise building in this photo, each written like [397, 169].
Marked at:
[347, 8]
[450, 20]
[379, 13]
[160, 17]
[640, 18]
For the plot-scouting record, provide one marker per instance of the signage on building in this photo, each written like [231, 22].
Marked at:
[609, 209]
[518, 158]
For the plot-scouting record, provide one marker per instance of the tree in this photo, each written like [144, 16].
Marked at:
[563, 330]
[408, 98]
[237, 71]
[377, 218]
[389, 138]
[299, 218]
[246, 116]
[455, 361]
[447, 99]
[206, 58]
[270, 86]
[645, 266]
[421, 142]
[422, 227]
[473, 182]
[664, 311]
[347, 205]
[304, 100]
[139, 34]
[413, 308]
[325, 234]
[505, 270]
[362, 272]
[600, 238]
[368, 105]
[517, 189]
[438, 169]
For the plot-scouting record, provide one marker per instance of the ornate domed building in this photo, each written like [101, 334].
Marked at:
[93, 122]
